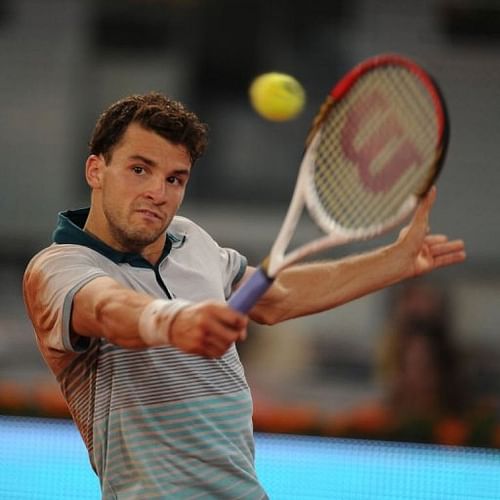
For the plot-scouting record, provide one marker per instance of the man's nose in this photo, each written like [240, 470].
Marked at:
[157, 190]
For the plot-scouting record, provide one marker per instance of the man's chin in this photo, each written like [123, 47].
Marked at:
[139, 240]
[145, 239]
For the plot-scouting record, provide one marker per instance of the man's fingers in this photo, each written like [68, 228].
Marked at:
[218, 333]
[208, 329]
[443, 252]
[447, 247]
[435, 239]
[218, 328]
[449, 259]
[439, 244]
[216, 341]
[232, 318]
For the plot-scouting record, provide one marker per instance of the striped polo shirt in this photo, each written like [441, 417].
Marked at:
[157, 422]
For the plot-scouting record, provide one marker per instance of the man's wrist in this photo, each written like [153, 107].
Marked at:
[156, 320]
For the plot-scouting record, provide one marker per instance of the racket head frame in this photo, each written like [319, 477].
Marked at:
[304, 192]
[339, 90]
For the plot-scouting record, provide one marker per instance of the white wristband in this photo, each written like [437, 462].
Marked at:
[156, 319]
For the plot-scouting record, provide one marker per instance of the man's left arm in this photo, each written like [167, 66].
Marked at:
[314, 287]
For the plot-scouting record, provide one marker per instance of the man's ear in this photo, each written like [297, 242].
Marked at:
[94, 171]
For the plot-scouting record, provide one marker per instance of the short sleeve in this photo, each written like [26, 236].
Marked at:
[233, 266]
[51, 280]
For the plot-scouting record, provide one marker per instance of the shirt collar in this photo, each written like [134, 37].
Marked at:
[69, 230]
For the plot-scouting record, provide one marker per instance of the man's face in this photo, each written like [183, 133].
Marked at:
[142, 187]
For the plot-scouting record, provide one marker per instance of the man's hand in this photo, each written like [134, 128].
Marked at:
[208, 328]
[428, 251]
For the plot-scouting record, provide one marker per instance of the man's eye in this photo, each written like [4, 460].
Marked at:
[173, 180]
[137, 169]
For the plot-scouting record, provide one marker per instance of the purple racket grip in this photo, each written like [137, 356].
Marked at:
[245, 297]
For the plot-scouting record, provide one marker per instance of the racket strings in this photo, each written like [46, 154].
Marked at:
[391, 146]
[377, 148]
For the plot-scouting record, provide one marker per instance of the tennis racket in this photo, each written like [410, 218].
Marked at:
[374, 149]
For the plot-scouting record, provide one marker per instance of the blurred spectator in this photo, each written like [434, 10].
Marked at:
[425, 395]
[418, 357]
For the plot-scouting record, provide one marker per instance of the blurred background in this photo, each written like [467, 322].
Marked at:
[419, 362]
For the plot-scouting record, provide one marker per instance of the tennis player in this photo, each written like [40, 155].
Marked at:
[129, 309]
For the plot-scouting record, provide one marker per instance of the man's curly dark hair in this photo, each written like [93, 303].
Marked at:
[153, 111]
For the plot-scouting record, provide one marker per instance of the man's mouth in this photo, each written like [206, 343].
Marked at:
[150, 214]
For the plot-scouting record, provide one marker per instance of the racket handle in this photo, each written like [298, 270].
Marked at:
[249, 293]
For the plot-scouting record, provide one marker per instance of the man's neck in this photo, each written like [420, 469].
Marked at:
[151, 253]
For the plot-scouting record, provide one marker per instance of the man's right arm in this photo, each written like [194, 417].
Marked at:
[104, 308]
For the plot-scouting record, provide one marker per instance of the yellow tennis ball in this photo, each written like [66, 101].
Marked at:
[277, 96]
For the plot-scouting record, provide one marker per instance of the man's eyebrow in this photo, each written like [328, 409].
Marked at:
[182, 171]
[143, 159]
[152, 163]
